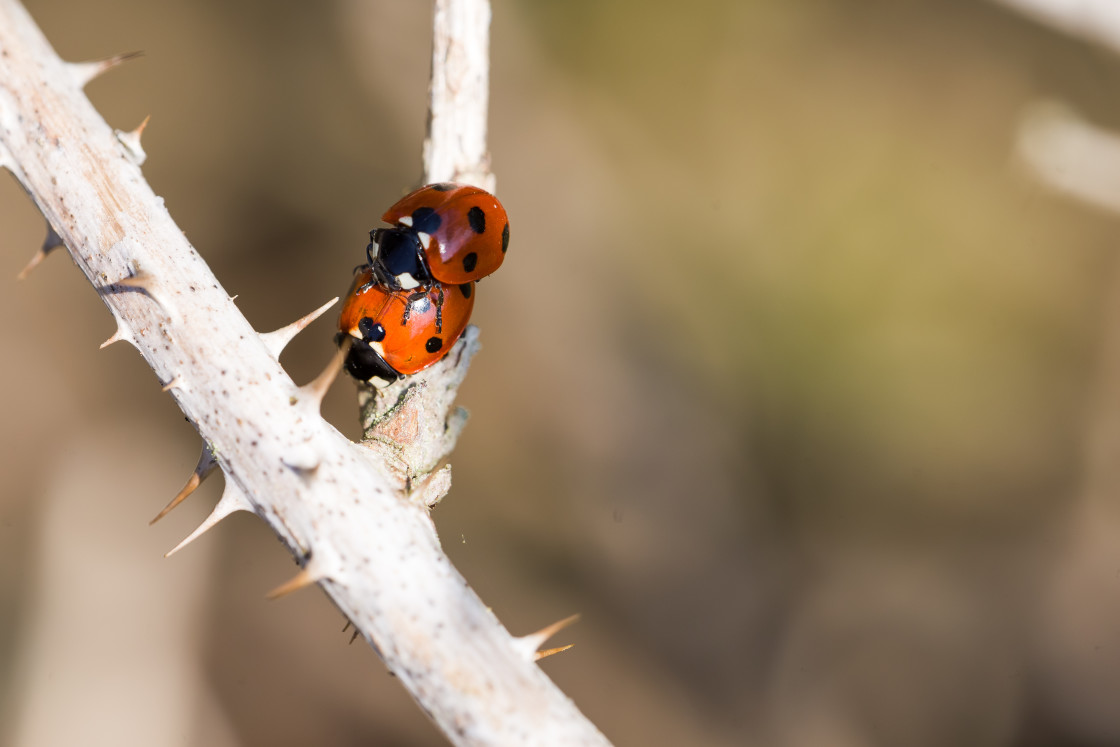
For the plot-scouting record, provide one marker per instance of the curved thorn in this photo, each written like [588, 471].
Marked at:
[84, 72]
[306, 577]
[176, 383]
[50, 243]
[144, 281]
[277, 340]
[232, 500]
[317, 389]
[527, 645]
[206, 465]
[131, 142]
[120, 334]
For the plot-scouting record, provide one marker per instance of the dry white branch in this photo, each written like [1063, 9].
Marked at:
[333, 503]
[1070, 155]
[455, 149]
[1096, 20]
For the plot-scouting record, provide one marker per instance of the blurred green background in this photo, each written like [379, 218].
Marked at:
[795, 384]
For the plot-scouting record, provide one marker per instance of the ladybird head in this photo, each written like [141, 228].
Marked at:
[397, 257]
[366, 365]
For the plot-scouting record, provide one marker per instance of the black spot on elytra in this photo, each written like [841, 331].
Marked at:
[371, 331]
[443, 187]
[505, 238]
[477, 219]
[465, 289]
[425, 220]
[433, 344]
[470, 261]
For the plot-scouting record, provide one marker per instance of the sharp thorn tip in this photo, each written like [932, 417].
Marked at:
[551, 652]
[306, 577]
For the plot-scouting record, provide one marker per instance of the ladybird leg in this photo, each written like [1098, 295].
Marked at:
[439, 311]
[366, 285]
[412, 298]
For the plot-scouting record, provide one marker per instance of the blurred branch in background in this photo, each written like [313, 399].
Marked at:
[1095, 20]
[1070, 155]
[1077, 607]
[1065, 152]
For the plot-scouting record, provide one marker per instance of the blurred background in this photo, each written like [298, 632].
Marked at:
[801, 383]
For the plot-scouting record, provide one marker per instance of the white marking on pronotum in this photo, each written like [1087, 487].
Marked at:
[405, 221]
[407, 281]
[425, 239]
[377, 348]
[379, 382]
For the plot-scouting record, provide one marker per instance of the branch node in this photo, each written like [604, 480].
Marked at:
[432, 489]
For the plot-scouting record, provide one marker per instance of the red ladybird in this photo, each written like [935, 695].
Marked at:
[450, 233]
[397, 333]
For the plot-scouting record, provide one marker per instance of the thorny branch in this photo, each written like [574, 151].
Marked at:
[339, 507]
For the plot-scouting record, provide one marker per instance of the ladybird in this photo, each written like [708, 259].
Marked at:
[450, 233]
[397, 333]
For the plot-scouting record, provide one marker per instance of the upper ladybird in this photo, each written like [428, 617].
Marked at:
[451, 233]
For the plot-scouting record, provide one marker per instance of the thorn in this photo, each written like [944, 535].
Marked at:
[84, 72]
[353, 638]
[306, 577]
[131, 142]
[550, 652]
[232, 500]
[176, 383]
[52, 242]
[144, 281]
[317, 389]
[527, 645]
[346, 626]
[278, 340]
[120, 334]
[202, 470]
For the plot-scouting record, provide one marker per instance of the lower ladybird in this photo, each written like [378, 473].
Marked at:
[398, 333]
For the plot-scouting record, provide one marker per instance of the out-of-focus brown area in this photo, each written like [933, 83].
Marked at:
[793, 384]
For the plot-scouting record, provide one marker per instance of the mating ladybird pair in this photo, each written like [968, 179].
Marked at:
[412, 301]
